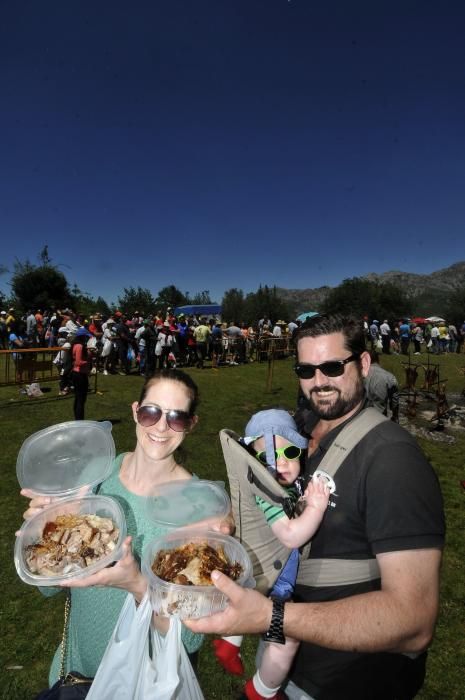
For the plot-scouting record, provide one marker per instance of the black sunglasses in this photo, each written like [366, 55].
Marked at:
[333, 368]
[150, 414]
[290, 452]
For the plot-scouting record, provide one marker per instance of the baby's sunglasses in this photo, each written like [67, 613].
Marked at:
[150, 414]
[290, 452]
[333, 368]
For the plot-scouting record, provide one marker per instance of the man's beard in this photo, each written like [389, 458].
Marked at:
[330, 409]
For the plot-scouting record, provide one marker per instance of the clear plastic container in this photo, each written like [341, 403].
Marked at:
[171, 599]
[187, 502]
[64, 458]
[31, 532]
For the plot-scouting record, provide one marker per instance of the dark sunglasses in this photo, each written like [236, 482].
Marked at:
[290, 452]
[150, 414]
[333, 368]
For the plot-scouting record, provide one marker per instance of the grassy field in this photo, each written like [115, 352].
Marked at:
[31, 625]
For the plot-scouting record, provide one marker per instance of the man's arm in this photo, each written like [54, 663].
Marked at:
[398, 618]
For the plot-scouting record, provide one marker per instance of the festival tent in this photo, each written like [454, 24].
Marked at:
[198, 310]
[308, 314]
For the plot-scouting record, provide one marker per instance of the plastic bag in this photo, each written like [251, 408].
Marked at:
[33, 390]
[378, 345]
[169, 674]
[107, 348]
[121, 666]
[131, 354]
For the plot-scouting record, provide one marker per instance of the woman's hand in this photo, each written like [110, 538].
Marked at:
[248, 612]
[124, 574]
[36, 504]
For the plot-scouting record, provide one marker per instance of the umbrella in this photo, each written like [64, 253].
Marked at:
[419, 319]
[308, 314]
[435, 319]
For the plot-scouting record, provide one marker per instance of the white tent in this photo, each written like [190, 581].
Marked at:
[435, 319]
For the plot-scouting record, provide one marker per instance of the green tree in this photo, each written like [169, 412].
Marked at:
[39, 286]
[171, 296]
[455, 307]
[266, 302]
[139, 299]
[201, 298]
[233, 305]
[362, 297]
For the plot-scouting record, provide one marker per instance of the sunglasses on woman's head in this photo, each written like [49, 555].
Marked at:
[333, 368]
[150, 414]
[290, 452]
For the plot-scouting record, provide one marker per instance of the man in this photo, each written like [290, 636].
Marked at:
[201, 335]
[385, 330]
[3, 331]
[382, 389]
[366, 639]
[374, 333]
[122, 343]
[404, 332]
[31, 328]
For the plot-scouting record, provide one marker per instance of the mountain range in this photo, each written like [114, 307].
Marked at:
[430, 292]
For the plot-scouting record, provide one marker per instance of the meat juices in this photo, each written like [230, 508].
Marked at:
[71, 543]
[192, 564]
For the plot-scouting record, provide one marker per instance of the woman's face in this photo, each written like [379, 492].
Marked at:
[159, 441]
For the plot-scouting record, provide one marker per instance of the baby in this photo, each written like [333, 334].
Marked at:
[273, 437]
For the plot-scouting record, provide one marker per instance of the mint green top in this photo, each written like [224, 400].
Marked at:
[95, 611]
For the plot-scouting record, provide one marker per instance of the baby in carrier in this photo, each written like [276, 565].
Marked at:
[272, 437]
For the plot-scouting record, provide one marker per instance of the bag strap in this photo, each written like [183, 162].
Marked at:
[287, 503]
[64, 636]
[350, 436]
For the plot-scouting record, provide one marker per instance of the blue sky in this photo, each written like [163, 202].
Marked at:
[233, 143]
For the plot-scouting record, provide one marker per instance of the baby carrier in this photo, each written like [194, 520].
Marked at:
[248, 478]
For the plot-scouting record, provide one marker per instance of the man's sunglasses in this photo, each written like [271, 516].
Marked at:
[333, 368]
[150, 414]
[290, 452]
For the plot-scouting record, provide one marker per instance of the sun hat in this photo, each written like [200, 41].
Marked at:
[82, 331]
[274, 421]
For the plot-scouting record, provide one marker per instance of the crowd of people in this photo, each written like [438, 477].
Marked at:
[421, 335]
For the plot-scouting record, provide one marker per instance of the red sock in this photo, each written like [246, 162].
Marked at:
[229, 656]
[252, 694]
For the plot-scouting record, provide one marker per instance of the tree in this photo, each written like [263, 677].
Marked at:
[39, 287]
[171, 296]
[361, 297]
[455, 307]
[201, 298]
[139, 299]
[233, 305]
[266, 302]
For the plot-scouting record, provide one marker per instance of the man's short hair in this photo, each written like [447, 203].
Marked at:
[323, 324]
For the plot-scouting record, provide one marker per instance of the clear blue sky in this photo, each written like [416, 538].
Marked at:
[213, 144]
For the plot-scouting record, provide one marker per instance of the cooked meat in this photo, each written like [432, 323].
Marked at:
[192, 564]
[70, 543]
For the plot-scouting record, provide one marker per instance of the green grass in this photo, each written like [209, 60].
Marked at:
[31, 625]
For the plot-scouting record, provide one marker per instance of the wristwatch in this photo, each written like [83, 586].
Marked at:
[275, 633]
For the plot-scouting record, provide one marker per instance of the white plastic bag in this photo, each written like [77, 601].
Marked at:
[169, 675]
[121, 666]
[33, 390]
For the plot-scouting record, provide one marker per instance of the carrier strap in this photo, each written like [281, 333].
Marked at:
[337, 572]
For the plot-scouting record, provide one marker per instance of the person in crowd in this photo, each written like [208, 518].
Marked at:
[17, 339]
[236, 344]
[70, 321]
[443, 337]
[31, 328]
[3, 331]
[40, 328]
[163, 416]
[417, 335]
[201, 335]
[294, 532]
[109, 350]
[122, 339]
[385, 331]
[165, 342]
[453, 337]
[217, 344]
[64, 361]
[374, 333]
[191, 347]
[182, 339]
[278, 329]
[435, 339]
[382, 388]
[364, 637]
[404, 333]
[141, 340]
[80, 371]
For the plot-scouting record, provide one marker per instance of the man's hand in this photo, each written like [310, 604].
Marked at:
[248, 612]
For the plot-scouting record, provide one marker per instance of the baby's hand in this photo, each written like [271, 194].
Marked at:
[317, 494]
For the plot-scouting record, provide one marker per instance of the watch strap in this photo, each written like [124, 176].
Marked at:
[275, 632]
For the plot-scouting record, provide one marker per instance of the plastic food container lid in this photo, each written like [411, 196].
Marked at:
[63, 458]
[172, 599]
[32, 530]
[187, 502]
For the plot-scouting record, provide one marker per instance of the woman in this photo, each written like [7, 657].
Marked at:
[17, 339]
[164, 415]
[80, 373]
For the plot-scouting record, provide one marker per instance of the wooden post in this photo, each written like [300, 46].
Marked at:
[269, 381]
